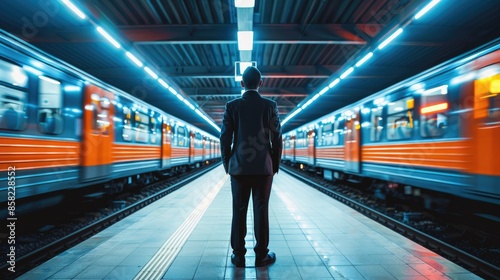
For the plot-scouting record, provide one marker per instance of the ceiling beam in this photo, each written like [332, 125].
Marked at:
[210, 34]
[343, 34]
[275, 72]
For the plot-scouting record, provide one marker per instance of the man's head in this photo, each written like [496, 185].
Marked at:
[251, 78]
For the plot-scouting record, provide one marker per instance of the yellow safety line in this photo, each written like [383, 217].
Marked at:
[164, 257]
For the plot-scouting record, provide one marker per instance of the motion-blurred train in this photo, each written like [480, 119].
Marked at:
[62, 129]
[430, 138]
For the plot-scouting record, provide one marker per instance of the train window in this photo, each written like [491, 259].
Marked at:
[50, 120]
[487, 103]
[326, 135]
[181, 136]
[400, 119]
[433, 119]
[12, 108]
[377, 124]
[100, 113]
[127, 133]
[13, 74]
[154, 129]
[287, 142]
[12, 101]
[301, 139]
[198, 142]
[141, 127]
[337, 131]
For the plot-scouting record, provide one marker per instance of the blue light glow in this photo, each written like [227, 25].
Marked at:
[426, 9]
[134, 59]
[347, 72]
[364, 59]
[108, 37]
[151, 73]
[392, 37]
[75, 10]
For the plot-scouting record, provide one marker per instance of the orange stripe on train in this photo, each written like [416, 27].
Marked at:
[449, 154]
[26, 153]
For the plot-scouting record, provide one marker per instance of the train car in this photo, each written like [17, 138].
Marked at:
[62, 129]
[432, 134]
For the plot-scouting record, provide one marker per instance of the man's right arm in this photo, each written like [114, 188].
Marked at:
[226, 137]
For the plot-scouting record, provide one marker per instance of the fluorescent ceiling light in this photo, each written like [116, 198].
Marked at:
[291, 115]
[307, 103]
[150, 72]
[188, 103]
[108, 37]
[244, 3]
[245, 40]
[346, 73]
[325, 89]
[426, 9]
[392, 37]
[244, 65]
[332, 84]
[173, 91]
[163, 83]
[134, 59]
[364, 59]
[75, 10]
[207, 119]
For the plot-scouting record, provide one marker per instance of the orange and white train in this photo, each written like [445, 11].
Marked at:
[432, 134]
[62, 129]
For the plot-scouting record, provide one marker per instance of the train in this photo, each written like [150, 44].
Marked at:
[62, 129]
[431, 137]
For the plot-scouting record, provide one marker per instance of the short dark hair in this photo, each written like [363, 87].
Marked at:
[251, 77]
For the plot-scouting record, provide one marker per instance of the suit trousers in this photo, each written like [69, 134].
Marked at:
[260, 188]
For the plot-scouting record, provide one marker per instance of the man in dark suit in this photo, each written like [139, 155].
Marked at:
[251, 152]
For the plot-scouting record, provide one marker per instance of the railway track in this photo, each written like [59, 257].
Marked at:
[399, 222]
[85, 229]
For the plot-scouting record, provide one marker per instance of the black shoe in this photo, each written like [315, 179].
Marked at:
[238, 261]
[266, 260]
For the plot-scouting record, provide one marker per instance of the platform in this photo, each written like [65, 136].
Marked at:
[185, 235]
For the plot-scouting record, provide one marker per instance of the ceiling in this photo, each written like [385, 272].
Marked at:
[300, 46]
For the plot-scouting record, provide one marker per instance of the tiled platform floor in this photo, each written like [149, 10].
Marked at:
[187, 236]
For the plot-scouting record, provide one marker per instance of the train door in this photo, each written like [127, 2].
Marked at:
[352, 143]
[166, 147]
[311, 147]
[191, 147]
[486, 129]
[98, 133]
[206, 147]
[292, 146]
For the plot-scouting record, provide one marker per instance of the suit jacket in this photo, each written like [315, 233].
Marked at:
[250, 139]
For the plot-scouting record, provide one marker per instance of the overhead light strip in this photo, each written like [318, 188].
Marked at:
[392, 37]
[108, 37]
[134, 59]
[139, 63]
[244, 3]
[426, 9]
[75, 10]
[346, 73]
